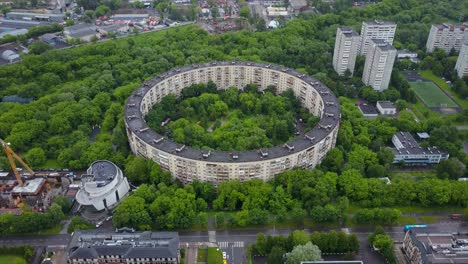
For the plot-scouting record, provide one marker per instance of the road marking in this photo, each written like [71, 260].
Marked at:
[212, 236]
[223, 244]
[234, 244]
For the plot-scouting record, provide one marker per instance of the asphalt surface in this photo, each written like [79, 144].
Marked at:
[234, 242]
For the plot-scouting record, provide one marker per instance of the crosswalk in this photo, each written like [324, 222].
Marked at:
[226, 244]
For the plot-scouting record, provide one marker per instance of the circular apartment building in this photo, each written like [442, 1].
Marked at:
[188, 164]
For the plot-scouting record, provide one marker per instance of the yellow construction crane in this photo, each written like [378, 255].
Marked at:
[11, 155]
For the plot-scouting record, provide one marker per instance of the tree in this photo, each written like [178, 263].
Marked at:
[307, 252]
[102, 10]
[35, 157]
[451, 168]
[276, 255]
[39, 47]
[131, 212]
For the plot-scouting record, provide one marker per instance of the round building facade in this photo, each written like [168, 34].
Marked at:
[188, 164]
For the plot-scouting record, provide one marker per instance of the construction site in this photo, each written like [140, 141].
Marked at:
[22, 187]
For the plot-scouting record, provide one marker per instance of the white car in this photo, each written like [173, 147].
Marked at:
[224, 255]
[98, 224]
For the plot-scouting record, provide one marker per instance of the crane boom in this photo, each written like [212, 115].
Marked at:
[11, 155]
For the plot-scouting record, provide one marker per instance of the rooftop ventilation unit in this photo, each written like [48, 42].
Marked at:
[143, 129]
[290, 148]
[180, 148]
[206, 155]
[156, 141]
[263, 153]
[309, 138]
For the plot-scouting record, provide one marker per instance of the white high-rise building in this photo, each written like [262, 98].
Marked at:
[346, 47]
[447, 37]
[377, 29]
[462, 62]
[379, 64]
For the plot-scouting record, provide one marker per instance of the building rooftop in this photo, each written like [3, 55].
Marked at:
[368, 109]
[349, 32]
[80, 30]
[440, 247]
[450, 26]
[423, 135]
[408, 145]
[30, 187]
[386, 104]
[379, 22]
[12, 23]
[329, 120]
[382, 44]
[102, 171]
[89, 244]
[298, 4]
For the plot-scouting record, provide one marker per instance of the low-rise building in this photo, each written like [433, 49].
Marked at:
[386, 108]
[423, 247]
[81, 31]
[276, 11]
[407, 150]
[29, 16]
[368, 111]
[298, 6]
[407, 54]
[103, 186]
[89, 247]
[10, 56]
[14, 32]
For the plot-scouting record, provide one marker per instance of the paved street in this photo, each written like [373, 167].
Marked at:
[234, 242]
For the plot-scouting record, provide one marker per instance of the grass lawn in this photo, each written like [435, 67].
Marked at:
[428, 219]
[51, 231]
[433, 209]
[407, 220]
[431, 76]
[412, 174]
[431, 95]
[202, 254]
[12, 259]
[215, 256]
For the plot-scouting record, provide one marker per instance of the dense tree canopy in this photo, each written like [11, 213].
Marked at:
[231, 119]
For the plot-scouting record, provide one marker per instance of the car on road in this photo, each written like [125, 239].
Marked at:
[224, 255]
[98, 224]
[109, 218]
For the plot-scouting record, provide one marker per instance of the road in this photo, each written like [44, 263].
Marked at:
[234, 242]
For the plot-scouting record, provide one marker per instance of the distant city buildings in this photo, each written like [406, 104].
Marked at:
[379, 64]
[346, 48]
[447, 37]
[423, 247]
[462, 62]
[89, 247]
[377, 29]
[407, 150]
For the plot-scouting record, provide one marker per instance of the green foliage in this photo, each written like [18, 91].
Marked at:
[35, 157]
[300, 253]
[230, 120]
[383, 243]
[28, 222]
[38, 47]
[327, 242]
[374, 216]
[78, 223]
[24, 251]
[450, 169]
